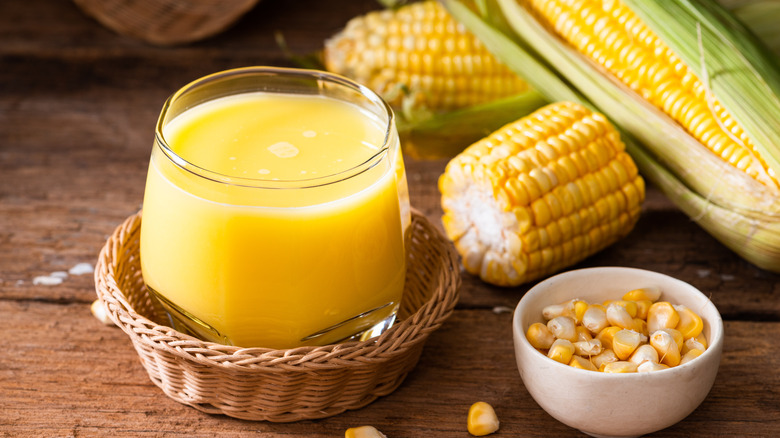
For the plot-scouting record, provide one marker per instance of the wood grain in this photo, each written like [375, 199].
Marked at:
[77, 108]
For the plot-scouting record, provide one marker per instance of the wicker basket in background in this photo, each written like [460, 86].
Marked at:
[279, 385]
[166, 22]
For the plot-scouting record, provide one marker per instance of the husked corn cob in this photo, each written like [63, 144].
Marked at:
[419, 52]
[540, 194]
[613, 36]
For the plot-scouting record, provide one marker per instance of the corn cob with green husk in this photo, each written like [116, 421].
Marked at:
[446, 88]
[695, 94]
[761, 17]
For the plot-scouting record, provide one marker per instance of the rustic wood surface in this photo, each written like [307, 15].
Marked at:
[77, 108]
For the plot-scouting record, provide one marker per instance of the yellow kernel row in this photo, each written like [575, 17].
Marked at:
[636, 333]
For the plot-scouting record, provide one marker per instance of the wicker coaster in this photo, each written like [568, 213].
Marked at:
[279, 385]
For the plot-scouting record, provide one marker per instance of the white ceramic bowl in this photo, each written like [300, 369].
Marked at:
[601, 404]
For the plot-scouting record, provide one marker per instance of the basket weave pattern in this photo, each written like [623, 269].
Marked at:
[166, 22]
[279, 385]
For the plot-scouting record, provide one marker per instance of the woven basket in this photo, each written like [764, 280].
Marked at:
[279, 385]
[166, 22]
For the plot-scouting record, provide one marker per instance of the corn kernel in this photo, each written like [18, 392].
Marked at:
[692, 344]
[606, 356]
[563, 327]
[646, 293]
[609, 335]
[582, 363]
[648, 366]
[690, 324]
[588, 348]
[617, 315]
[363, 432]
[642, 306]
[625, 342]
[640, 326]
[664, 344]
[578, 310]
[540, 336]
[690, 355]
[661, 315]
[583, 334]
[99, 312]
[702, 340]
[630, 306]
[606, 336]
[556, 310]
[620, 367]
[561, 351]
[482, 419]
[677, 336]
[595, 319]
[644, 353]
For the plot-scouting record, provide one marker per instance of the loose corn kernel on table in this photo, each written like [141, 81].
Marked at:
[77, 110]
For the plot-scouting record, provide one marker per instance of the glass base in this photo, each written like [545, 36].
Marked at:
[187, 323]
[357, 328]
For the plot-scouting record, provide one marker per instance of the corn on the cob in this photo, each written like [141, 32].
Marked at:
[446, 89]
[420, 50]
[697, 96]
[540, 194]
[635, 55]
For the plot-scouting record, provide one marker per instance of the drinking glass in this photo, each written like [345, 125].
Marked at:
[276, 210]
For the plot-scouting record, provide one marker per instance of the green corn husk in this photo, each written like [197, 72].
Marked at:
[737, 210]
[761, 17]
[444, 135]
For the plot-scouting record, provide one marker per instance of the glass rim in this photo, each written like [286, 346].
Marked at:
[263, 183]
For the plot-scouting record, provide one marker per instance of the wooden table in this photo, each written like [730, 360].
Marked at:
[78, 104]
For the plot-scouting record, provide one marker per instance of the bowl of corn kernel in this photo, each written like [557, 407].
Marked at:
[616, 351]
